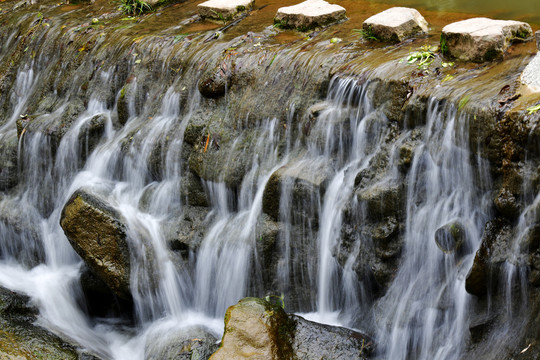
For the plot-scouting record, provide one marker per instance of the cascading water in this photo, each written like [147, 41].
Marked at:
[341, 189]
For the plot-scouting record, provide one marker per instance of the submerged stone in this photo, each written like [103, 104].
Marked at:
[396, 24]
[482, 39]
[309, 14]
[223, 9]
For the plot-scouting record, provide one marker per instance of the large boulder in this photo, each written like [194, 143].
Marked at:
[396, 24]
[482, 39]
[450, 237]
[257, 329]
[308, 15]
[98, 234]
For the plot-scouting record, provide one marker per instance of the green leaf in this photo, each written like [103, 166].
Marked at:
[463, 102]
[533, 109]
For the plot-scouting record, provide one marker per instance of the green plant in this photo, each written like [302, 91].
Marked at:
[276, 300]
[424, 57]
[134, 7]
[366, 34]
[463, 102]
[281, 24]
[533, 109]
[444, 45]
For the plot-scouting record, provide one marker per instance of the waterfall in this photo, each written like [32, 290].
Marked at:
[357, 219]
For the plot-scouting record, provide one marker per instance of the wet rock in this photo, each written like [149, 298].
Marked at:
[305, 180]
[22, 340]
[450, 237]
[99, 300]
[383, 199]
[98, 234]
[319, 341]
[186, 232]
[191, 343]
[507, 204]
[537, 35]
[256, 329]
[492, 253]
[224, 10]
[193, 191]
[482, 39]
[309, 14]
[215, 81]
[8, 161]
[396, 24]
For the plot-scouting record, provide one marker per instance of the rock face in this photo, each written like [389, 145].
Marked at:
[223, 9]
[482, 39]
[396, 24]
[256, 329]
[98, 234]
[309, 14]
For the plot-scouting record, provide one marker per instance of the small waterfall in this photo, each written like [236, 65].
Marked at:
[425, 310]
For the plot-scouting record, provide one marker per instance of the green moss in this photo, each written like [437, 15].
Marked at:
[444, 45]
[240, 8]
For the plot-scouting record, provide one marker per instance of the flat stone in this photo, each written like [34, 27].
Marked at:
[309, 14]
[482, 39]
[223, 9]
[396, 24]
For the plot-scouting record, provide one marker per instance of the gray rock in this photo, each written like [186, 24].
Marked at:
[98, 234]
[482, 39]
[192, 343]
[492, 253]
[304, 179]
[383, 199]
[224, 9]
[319, 341]
[450, 237]
[396, 24]
[8, 161]
[537, 34]
[309, 14]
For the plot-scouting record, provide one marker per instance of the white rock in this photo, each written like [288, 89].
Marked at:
[482, 39]
[223, 9]
[309, 14]
[396, 24]
[531, 74]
